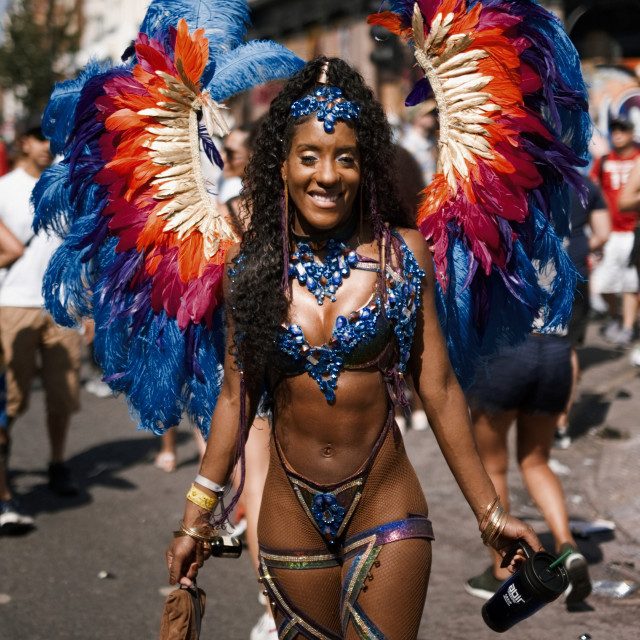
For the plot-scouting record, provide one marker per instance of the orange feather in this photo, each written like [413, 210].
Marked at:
[192, 51]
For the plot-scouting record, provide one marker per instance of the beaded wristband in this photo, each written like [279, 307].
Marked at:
[209, 484]
[199, 497]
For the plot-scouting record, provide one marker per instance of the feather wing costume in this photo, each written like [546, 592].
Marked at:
[513, 128]
[144, 243]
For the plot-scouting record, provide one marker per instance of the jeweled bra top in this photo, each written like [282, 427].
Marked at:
[362, 339]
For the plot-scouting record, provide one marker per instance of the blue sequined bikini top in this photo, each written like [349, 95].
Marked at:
[365, 337]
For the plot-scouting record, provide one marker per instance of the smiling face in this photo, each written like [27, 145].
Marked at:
[323, 174]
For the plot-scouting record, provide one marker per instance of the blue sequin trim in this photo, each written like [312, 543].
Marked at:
[325, 363]
[329, 106]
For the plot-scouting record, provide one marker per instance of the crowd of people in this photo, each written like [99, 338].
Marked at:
[312, 462]
[29, 337]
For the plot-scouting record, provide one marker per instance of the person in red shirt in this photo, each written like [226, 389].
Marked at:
[616, 277]
[4, 159]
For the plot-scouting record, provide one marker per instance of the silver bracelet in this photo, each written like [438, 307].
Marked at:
[209, 484]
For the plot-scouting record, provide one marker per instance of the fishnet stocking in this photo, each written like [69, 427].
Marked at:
[394, 592]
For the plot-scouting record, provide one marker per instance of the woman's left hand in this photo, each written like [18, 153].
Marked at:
[515, 530]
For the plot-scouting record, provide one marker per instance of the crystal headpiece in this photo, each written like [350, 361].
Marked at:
[329, 106]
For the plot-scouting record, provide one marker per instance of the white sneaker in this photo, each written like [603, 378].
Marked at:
[98, 388]
[611, 331]
[265, 628]
[12, 519]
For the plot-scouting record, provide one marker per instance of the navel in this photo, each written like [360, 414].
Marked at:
[328, 451]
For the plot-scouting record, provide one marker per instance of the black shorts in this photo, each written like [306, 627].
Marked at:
[533, 377]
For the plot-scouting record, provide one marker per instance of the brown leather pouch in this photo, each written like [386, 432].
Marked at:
[182, 615]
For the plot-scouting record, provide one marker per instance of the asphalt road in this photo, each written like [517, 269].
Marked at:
[93, 569]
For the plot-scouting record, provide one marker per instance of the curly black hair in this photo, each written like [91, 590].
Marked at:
[258, 302]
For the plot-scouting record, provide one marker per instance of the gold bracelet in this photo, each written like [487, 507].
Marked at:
[489, 533]
[202, 499]
[203, 534]
[494, 528]
[489, 512]
[498, 524]
[493, 523]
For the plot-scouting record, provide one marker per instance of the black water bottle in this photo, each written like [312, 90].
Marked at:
[226, 547]
[538, 581]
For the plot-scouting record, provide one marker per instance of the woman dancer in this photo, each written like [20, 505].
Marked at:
[345, 539]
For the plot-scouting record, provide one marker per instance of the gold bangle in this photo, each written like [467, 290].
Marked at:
[493, 523]
[204, 534]
[490, 531]
[498, 523]
[489, 512]
[202, 499]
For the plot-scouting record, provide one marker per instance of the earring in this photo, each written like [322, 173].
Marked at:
[285, 221]
[361, 223]
[285, 235]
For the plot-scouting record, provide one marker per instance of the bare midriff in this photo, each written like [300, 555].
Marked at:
[328, 442]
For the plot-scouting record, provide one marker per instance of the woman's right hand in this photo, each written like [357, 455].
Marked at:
[184, 557]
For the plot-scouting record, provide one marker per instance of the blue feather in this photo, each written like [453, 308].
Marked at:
[163, 371]
[67, 283]
[225, 23]
[209, 146]
[50, 197]
[250, 64]
[58, 119]
[147, 365]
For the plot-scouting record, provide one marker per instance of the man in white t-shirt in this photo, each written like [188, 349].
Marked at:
[26, 330]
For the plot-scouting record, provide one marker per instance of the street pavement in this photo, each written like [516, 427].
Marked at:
[93, 568]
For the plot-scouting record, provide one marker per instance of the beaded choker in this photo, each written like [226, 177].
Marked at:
[329, 106]
[322, 278]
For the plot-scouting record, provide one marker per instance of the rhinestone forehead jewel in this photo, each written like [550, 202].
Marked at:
[329, 106]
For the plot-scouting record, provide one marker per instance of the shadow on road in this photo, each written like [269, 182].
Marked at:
[100, 465]
[589, 411]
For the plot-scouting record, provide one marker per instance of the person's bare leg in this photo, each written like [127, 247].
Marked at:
[5, 491]
[257, 465]
[629, 310]
[60, 481]
[166, 458]
[613, 306]
[491, 433]
[535, 436]
[563, 418]
[5, 486]
[58, 428]
[257, 461]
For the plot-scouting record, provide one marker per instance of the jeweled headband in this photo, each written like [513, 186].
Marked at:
[329, 106]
